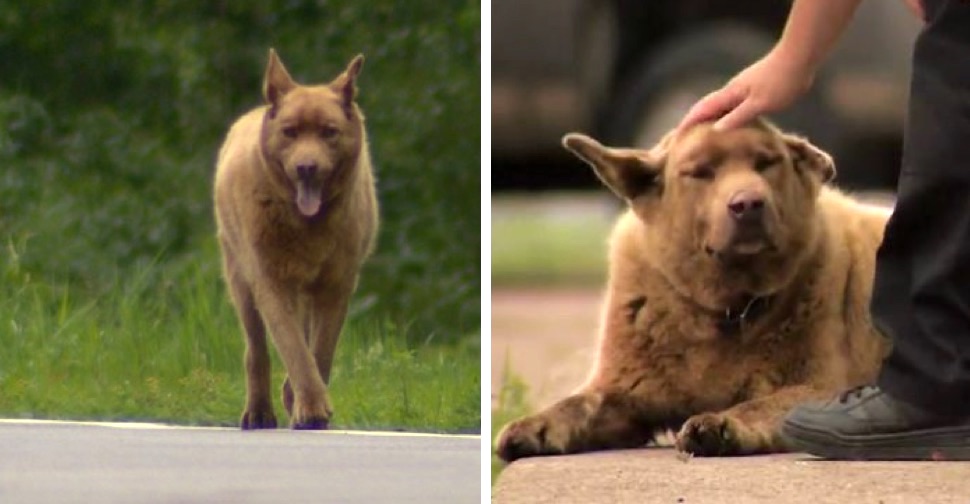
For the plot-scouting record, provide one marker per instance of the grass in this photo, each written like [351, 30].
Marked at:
[164, 345]
[550, 240]
[511, 404]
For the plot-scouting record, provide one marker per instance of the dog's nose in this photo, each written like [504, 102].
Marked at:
[307, 170]
[746, 205]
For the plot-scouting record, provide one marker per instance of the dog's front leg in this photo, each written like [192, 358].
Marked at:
[326, 322]
[747, 428]
[311, 405]
[259, 407]
[589, 420]
[327, 313]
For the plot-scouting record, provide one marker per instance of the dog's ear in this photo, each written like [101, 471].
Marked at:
[346, 83]
[277, 81]
[808, 157]
[630, 173]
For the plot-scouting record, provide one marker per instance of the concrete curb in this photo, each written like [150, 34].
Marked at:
[658, 475]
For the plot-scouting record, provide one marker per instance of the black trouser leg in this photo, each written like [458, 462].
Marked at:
[921, 297]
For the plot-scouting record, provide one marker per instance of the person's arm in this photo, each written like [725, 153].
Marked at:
[785, 73]
[812, 29]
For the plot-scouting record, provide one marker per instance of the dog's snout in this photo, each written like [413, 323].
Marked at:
[746, 205]
[306, 170]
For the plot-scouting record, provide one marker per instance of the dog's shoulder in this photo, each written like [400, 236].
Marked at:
[853, 230]
[632, 268]
[635, 272]
[629, 243]
[855, 225]
[241, 143]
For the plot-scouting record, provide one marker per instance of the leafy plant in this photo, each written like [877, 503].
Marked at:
[111, 114]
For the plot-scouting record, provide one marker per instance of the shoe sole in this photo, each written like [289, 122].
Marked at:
[947, 443]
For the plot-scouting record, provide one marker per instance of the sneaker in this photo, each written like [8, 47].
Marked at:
[866, 423]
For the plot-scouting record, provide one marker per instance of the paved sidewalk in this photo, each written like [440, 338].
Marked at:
[658, 475]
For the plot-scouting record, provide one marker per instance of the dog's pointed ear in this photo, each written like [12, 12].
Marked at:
[277, 81]
[808, 157]
[630, 173]
[346, 83]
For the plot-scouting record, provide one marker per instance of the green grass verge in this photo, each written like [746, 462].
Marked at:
[511, 404]
[164, 345]
[550, 239]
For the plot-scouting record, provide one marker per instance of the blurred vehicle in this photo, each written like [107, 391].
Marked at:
[626, 71]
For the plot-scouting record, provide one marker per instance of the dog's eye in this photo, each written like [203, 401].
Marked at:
[328, 132]
[702, 172]
[290, 132]
[763, 162]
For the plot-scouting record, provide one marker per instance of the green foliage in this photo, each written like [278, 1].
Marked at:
[168, 348]
[111, 114]
[556, 239]
[509, 405]
[381, 383]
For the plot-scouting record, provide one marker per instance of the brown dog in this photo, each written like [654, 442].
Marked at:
[297, 216]
[739, 286]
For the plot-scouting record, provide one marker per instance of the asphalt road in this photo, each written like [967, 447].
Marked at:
[53, 462]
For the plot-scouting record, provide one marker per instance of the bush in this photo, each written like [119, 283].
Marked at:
[115, 111]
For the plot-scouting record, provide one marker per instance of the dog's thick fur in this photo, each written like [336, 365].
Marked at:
[684, 261]
[297, 216]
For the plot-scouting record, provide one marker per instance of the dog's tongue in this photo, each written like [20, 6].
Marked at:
[307, 199]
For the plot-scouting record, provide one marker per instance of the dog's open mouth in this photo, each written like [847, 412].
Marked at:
[308, 198]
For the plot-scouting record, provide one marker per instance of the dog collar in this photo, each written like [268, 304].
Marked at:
[734, 320]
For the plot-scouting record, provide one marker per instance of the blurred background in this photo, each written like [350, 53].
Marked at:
[625, 72]
[111, 114]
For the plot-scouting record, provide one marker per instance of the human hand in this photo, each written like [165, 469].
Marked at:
[770, 84]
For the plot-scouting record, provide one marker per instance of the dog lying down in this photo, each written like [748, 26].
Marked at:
[739, 286]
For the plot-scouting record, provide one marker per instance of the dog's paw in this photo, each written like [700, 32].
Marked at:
[311, 423]
[710, 435]
[311, 414]
[258, 418]
[531, 436]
